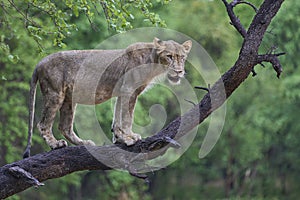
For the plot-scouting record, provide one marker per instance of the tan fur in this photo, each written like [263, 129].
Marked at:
[94, 76]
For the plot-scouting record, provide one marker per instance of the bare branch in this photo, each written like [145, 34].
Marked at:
[92, 24]
[189, 101]
[273, 59]
[237, 2]
[18, 172]
[24, 15]
[203, 88]
[234, 19]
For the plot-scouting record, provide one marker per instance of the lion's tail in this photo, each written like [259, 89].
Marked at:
[33, 84]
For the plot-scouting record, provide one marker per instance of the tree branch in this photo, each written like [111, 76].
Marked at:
[60, 162]
[247, 3]
[273, 59]
[234, 19]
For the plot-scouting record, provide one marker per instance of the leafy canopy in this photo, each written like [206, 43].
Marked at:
[46, 20]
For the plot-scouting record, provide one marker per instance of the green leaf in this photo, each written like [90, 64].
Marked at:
[75, 10]
[13, 58]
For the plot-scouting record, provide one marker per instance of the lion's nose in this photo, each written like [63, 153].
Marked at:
[180, 72]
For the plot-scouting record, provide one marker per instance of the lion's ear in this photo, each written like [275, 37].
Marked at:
[187, 45]
[158, 44]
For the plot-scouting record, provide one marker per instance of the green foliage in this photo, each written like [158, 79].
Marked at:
[120, 15]
[13, 111]
[52, 21]
[119, 182]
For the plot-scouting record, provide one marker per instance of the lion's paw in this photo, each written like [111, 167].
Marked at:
[128, 139]
[59, 144]
[131, 139]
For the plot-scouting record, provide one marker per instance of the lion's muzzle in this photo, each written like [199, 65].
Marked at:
[174, 76]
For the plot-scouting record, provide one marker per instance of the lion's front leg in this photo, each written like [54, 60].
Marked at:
[122, 122]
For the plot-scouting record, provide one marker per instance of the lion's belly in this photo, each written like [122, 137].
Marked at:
[90, 97]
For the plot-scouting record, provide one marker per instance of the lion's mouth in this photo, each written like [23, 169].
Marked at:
[174, 79]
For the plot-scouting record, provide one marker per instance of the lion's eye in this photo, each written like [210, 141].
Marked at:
[170, 57]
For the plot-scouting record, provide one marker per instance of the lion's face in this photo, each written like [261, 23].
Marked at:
[173, 56]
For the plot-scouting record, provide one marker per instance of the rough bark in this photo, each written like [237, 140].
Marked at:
[29, 172]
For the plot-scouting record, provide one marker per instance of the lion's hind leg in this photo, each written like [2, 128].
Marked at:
[52, 103]
[66, 124]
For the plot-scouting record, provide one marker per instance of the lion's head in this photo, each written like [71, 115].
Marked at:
[173, 55]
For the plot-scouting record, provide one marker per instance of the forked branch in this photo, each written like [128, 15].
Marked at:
[235, 21]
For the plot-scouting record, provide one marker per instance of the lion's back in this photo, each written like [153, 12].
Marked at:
[69, 65]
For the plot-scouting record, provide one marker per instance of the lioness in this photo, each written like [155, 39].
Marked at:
[94, 76]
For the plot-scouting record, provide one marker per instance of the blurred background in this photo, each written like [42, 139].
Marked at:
[257, 155]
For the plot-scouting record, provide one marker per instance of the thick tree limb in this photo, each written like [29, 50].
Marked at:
[30, 172]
